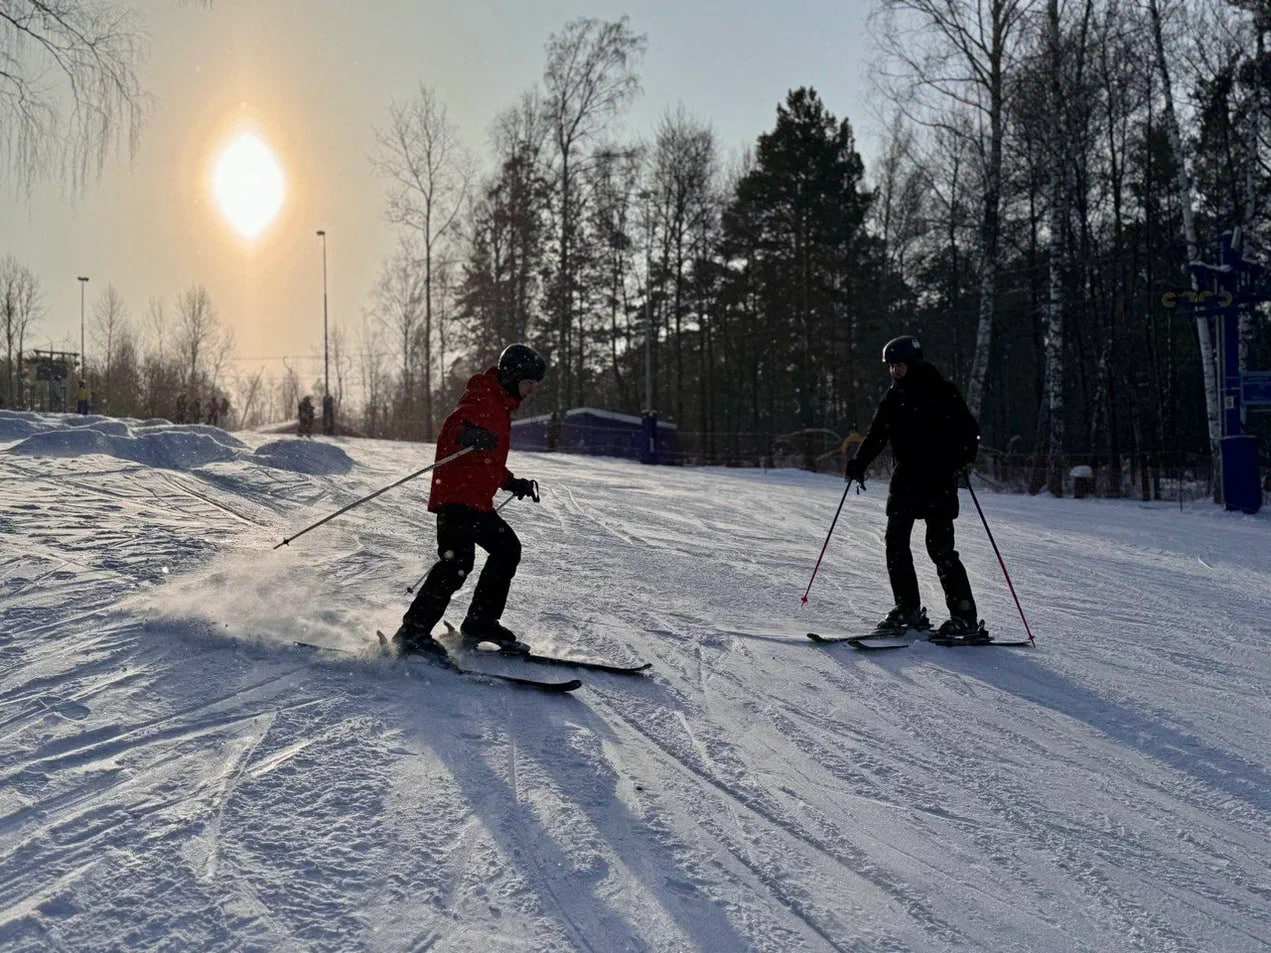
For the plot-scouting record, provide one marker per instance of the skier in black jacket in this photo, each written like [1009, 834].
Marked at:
[934, 437]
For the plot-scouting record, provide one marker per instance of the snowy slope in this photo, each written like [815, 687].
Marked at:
[177, 776]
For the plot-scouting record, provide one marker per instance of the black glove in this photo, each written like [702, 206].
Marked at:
[521, 488]
[477, 437]
[855, 470]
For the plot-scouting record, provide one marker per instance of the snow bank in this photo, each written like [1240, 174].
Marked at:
[16, 425]
[175, 450]
[304, 456]
[160, 444]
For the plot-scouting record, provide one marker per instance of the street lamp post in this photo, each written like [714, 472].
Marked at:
[326, 367]
[649, 419]
[328, 410]
[82, 368]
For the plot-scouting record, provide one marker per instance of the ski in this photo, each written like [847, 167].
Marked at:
[538, 659]
[876, 643]
[450, 665]
[951, 643]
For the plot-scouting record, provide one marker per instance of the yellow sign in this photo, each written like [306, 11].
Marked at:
[1170, 298]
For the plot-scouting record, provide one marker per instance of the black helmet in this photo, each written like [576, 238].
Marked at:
[902, 350]
[520, 362]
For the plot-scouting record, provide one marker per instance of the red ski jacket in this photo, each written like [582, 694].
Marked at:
[473, 479]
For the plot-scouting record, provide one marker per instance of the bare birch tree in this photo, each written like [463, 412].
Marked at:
[589, 77]
[21, 306]
[942, 57]
[684, 171]
[1053, 346]
[399, 301]
[899, 215]
[204, 344]
[372, 376]
[110, 318]
[430, 172]
[1175, 135]
[70, 93]
[156, 325]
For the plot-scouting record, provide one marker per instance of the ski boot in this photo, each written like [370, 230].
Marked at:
[901, 622]
[963, 630]
[476, 631]
[412, 639]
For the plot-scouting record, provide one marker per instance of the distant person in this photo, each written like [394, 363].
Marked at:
[83, 398]
[225, 412]
[853, 440]
[462, 497]
[214, 412]
[328, 415]
[933, 438]
[180, 414]
[305, 428]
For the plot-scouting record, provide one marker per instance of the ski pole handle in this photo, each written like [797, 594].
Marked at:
[345, 509]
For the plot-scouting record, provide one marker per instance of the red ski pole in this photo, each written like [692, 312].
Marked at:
[827, 538]
[1031, 640]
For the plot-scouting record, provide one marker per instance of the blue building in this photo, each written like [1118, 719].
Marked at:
[593, 432]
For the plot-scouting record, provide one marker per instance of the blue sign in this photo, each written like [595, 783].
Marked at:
[1256, 388]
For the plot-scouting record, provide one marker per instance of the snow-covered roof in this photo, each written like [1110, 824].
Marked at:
[595, 412]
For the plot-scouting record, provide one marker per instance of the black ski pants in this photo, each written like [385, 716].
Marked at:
[460, 529]
[900, 564]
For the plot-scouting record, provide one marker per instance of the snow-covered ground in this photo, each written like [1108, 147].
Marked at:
[176, 775]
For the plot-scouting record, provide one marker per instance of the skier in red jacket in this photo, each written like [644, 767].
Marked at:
[462, 497]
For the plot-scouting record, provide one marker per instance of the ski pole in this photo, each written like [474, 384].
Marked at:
[828, 535]
[1031, 640]
[410, 589]
[327, 519]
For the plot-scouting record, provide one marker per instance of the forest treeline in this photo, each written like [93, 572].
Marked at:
[1044, 174]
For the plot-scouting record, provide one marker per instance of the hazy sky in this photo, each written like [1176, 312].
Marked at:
[313, 77]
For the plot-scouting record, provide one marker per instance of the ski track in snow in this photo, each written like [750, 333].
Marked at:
[176, 775]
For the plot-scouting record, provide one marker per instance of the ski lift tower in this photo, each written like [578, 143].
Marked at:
[1233, 285]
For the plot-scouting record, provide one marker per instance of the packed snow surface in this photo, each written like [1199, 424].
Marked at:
[178, 775]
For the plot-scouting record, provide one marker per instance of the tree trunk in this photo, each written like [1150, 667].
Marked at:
[989, 239]
[1054, 344]
[1207, 354]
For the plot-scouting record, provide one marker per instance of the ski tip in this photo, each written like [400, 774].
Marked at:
[554, 688]
[829, 639]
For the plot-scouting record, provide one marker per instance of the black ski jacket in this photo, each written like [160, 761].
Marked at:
[932, 435]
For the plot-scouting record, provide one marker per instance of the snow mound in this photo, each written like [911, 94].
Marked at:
[207, 430]
[304, 456]
[155, 443]
[161, 444]
[16, 425]
[105, 425]
[174, 450]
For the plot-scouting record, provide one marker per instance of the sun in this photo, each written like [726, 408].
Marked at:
[248, 184]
